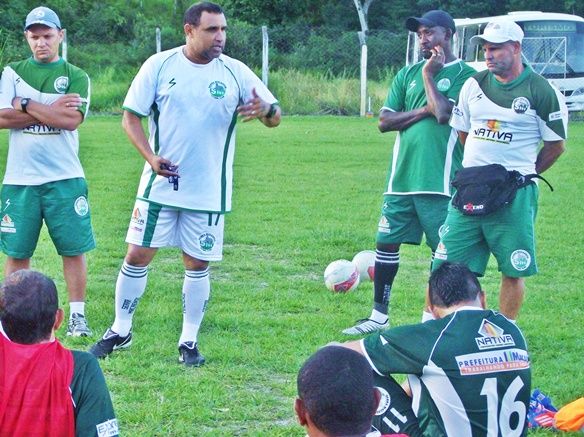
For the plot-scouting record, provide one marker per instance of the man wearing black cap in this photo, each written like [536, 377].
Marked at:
[426, 154]
[43, 99]
[504, 113]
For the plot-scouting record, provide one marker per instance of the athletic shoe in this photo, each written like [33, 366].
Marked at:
[541, 411]
[110, 342]
[365, 326]
[189, 355]
[77, 326]
[545, 400]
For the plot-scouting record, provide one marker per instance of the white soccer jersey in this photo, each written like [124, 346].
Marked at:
[39, 153]
[507, 121]
[192, 116]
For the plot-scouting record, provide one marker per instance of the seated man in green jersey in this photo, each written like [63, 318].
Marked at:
[46, 389]
[468, 369]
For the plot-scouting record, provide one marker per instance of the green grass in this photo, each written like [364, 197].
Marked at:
[306, 193]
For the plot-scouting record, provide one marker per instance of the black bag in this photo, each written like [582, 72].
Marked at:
[484, 189]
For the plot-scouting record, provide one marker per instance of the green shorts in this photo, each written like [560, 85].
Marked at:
[405, 218]
[63, 207]
[509, 234]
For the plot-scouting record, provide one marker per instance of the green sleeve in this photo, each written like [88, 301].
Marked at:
[94, 412]
[80, 84]
[396, 97]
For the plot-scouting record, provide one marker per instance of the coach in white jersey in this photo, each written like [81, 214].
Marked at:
[502, 116]
[43, 99]
[469, 370]
[192, 95]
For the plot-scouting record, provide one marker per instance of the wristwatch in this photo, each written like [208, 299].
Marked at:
[272, 110]
[24, 103]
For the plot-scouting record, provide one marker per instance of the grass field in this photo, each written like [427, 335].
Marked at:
[306, 193]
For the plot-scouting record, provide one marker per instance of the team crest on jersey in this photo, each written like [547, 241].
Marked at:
[81, 206]
[384, 402]
[383, 226]
[217, 89]
[492, 336]
[520, 260]
[7, 225]
[443, 84]
[520, 105]
[61, 84]
[207, 241]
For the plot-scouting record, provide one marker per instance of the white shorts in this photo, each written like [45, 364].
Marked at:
[198, 234]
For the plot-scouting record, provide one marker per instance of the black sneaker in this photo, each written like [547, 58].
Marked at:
[110, 342]
[189, 355]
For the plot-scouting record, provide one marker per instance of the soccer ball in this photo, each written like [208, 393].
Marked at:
[365, 262]
[341, 276]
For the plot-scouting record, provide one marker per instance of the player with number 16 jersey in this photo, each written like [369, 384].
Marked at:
[469, 372]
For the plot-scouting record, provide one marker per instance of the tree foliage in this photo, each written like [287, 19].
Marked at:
[121, 33]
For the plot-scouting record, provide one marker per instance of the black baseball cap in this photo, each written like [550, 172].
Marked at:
[431, 19]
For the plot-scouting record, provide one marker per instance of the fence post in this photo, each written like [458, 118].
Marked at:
[363, 42]
[64, 45]
[158, 40]
[265, 54]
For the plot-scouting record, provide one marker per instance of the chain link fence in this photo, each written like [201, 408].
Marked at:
[318, 50]
[308, 56]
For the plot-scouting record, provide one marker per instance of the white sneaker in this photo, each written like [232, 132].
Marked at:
[78, 326]
[365, 326]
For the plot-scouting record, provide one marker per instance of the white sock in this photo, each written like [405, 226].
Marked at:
[76, 308]
[195, 295]
[378, 316]
[427, 315]
[130, 287]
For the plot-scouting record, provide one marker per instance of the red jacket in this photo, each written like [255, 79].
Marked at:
[35, 398]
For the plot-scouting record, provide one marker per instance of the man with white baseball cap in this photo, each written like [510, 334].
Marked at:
[43, 99]
[502, 115]
[500, 31]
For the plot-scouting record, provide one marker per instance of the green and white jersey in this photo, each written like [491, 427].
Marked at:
[427, 154]
[191, 111]
[39, 153]
[470, 372]
[94, 413]
[507, 121]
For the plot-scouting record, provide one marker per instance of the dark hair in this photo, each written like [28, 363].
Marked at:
[193, 14]
[453, 283]
[28, 305]
[336, 386]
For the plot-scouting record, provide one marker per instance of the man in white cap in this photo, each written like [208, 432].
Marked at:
[426, 154]
[502, 116]
[43, 99]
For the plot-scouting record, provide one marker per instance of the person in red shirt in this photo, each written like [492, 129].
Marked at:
[45, 389]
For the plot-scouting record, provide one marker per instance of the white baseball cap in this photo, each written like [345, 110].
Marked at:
[500, 31]
[42, 15]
